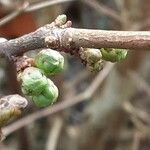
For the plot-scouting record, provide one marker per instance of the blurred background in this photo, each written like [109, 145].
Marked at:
[108, 110]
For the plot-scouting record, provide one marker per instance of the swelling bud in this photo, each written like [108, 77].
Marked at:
[113, 55]
[90, 55]
[50, 61]
[33, 81]
[47, 97]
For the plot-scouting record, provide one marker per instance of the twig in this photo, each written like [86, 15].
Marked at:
[145, 130]
[139, 82]
[83, 74]
[44, 4]
[126, 24]
[136, 112]
[64, 38]
[54, 134]
[102, 9]
[137, 122]
[14, 14]
[30, 8]
[136, 141]
[62, 105]
[142, 25]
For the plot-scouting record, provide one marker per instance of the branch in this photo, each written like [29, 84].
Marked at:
[60, 36]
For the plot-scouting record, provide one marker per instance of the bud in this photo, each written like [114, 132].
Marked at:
[11, 106]
[96, 67]
[113, 55]
[48, 96]
[51, 91]
[90, 55]
[33, 81]
[50, 61]
[61, 20]
[41, 100]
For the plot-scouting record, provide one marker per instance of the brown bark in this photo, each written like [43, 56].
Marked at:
[67, 39]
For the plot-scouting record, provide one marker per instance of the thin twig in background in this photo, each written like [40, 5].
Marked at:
[137, 112]
[126, 24]
[62, 105]
[52, 139]
[139, 82]
[136, 141]
[144, 24]
[137, 115]
[102, 9]
[44, 4]
[14, 14]
[143, 128]
[141, 25]
[83, 74]
[30, 8]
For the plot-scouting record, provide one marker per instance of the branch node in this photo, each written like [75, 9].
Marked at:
[51, 41]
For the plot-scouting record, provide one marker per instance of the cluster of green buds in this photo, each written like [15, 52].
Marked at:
[34, 82]
[94, 58]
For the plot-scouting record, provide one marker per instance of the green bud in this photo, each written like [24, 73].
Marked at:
[51, 91]
[113, 55]
[41, 101]
[61, 20]
[47, 97]
[50, 61]
[33, 81]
